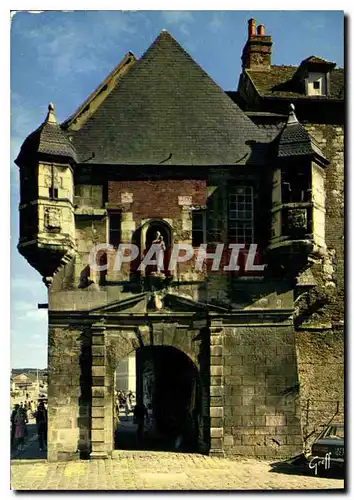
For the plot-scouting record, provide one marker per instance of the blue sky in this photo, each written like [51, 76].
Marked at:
[61, 57]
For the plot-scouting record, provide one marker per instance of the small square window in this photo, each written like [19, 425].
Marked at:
[53, 193]
[316, 85]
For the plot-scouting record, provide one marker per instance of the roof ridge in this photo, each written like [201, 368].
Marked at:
[128, 57]
[166, 34]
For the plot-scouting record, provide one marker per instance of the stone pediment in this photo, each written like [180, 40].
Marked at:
[157, 303]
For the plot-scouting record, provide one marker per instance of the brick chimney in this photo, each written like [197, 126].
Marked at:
[257, 53]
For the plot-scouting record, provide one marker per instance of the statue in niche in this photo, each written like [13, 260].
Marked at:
[160, 252]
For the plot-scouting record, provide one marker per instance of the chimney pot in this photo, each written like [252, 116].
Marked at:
[251, 27]
[257, 52]
[260, 30]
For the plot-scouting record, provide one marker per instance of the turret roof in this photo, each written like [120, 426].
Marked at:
[48, 139]
[294, 140]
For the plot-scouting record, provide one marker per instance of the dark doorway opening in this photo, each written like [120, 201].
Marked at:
[166, 413]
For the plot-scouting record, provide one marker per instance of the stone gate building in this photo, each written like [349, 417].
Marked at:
[159, 152]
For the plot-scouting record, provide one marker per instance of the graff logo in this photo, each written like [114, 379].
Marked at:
[316, 461]
[180, 253]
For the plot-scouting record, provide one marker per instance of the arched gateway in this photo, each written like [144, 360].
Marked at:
[168, 384]
[81, 407]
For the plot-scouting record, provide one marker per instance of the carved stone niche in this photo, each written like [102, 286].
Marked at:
[52, 219]
[297, 219]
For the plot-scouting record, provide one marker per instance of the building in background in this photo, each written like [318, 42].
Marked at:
[126, 374]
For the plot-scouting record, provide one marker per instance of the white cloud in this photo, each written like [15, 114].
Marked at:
[37, 315]
[23, 310]
[22, 306]
[315, 26]
[217, 21]
[35, 346]
[181, 19]
[24, 120]
[177, 17]
[36, 336]
[27, 285]
[74, 47]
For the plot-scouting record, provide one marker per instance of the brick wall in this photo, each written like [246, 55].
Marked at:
[158, 198]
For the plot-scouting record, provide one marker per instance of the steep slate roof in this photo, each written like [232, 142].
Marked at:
[75, 121]
[48, 139]
[294, 140]
[166, 109]
[277, 82]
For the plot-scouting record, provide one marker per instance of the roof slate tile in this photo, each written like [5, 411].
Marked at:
[278, 82]
[166, 109]
[48, 139]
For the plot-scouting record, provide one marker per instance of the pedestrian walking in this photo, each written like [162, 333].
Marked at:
[121, 398]
[42, 425]
[13, 426]
[130, 397]
[127, 407]
[25, 418]
[20, 424]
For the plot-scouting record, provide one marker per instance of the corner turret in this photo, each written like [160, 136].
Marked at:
[47, 229]
[298, 199]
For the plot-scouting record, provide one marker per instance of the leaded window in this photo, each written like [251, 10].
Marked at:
[240, 227]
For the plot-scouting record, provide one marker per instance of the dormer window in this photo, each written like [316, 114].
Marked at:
[316, 84]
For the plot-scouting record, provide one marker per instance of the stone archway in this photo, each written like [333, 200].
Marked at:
[110, 344]
[168, 385]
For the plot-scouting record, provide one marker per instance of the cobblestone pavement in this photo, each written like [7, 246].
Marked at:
[31, 447]
[163, 471]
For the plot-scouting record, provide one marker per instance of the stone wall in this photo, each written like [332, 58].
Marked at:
[69, 395]
[261, 403]
[321, 373]
[320, 312]
[331, 275]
